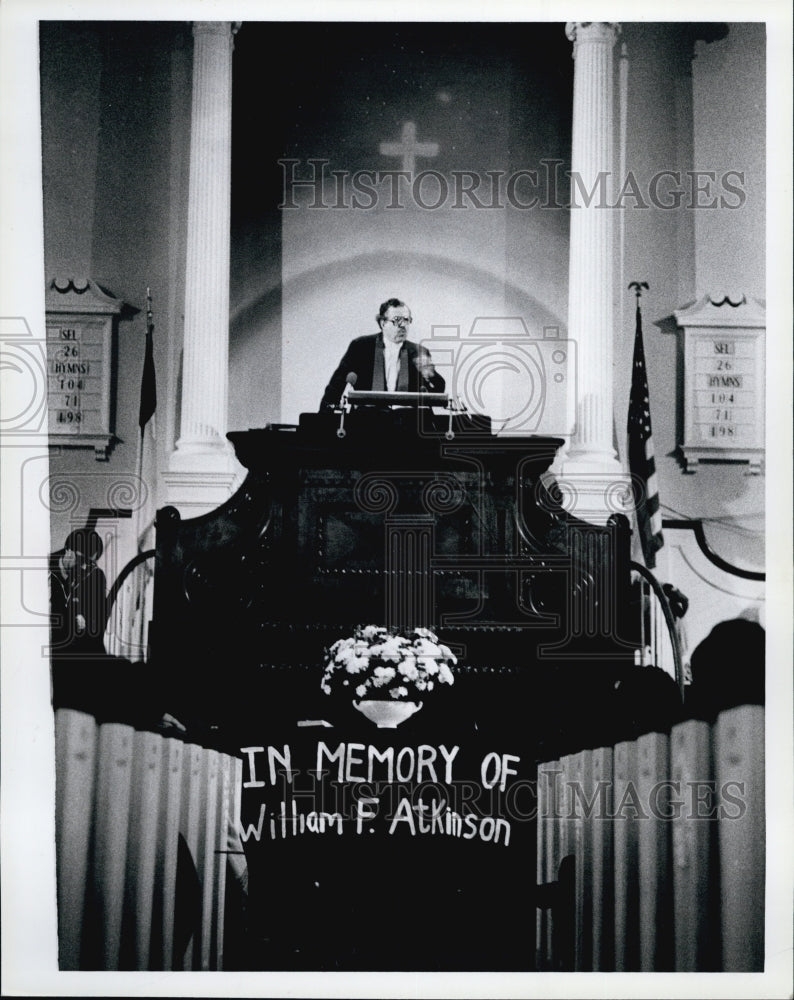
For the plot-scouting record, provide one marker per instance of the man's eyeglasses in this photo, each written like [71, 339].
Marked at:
[399, 320]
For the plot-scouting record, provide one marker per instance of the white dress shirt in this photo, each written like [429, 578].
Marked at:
[391, 358]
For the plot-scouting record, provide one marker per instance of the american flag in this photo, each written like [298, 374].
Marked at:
[642, 464]
[147, 454]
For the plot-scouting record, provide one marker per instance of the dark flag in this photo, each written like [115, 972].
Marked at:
[642, 463]
[148, 381]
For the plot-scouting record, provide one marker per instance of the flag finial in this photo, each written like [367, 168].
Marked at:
[638, 287]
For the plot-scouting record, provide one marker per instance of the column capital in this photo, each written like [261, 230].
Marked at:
[592, 31]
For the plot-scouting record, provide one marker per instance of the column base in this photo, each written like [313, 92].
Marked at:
[199, 480]
[593, 491]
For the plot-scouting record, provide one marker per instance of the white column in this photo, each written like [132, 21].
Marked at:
[203, 469]
[590, 474]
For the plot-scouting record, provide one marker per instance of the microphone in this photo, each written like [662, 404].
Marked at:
[350, 381]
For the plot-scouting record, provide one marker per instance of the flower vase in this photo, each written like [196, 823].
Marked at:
[387, 714]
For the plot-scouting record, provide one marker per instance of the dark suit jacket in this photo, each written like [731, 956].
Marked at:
[360, 358]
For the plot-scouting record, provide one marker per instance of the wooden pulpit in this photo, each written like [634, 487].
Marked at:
[411, 847]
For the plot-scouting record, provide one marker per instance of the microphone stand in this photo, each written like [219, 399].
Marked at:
[344, 406]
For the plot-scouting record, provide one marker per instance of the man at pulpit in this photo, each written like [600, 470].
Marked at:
[386, 361]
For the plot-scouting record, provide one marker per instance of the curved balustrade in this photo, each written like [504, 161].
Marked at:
[658, 640]
[130, 601]
[695, 525]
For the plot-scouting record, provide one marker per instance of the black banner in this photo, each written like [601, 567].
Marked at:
[390, 849]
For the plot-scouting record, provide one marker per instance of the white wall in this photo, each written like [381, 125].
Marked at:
[728, 83]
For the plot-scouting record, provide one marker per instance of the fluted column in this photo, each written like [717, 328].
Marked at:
[590, 473]
[202, 467]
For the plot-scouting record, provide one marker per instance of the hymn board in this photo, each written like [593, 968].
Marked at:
[80, 330]
[723, 381]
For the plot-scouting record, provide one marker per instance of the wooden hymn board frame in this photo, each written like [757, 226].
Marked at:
[80, 326]
[724, 380]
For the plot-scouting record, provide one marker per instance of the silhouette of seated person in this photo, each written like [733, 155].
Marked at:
[728, 668]
[78, 597]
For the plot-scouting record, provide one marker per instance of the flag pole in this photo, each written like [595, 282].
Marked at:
[147, 405]
[640, 553]
[139, 474]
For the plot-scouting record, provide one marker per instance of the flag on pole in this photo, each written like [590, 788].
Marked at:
[148, 380]
[642, 463]
[147, 457]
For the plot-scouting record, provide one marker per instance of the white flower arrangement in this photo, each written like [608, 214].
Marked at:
[379, 663]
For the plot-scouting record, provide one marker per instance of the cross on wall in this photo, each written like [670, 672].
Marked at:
[408, 148]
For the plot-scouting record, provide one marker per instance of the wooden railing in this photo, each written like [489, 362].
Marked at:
[143, 828]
